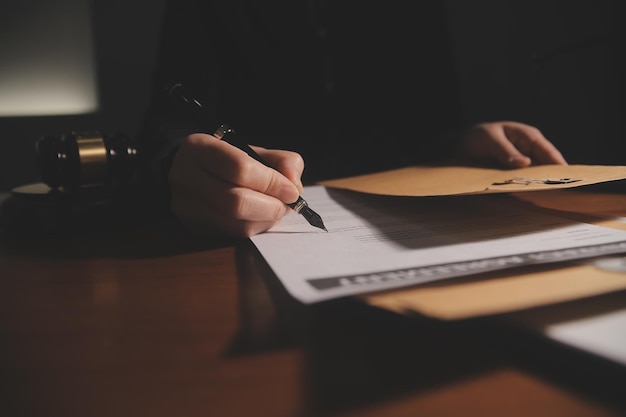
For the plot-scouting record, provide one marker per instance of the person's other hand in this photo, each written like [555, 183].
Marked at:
[218, 187]
[512, 144]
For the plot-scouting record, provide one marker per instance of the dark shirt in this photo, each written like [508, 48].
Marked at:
[353, 86]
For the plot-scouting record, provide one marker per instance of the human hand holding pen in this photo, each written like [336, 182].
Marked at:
[217, 187]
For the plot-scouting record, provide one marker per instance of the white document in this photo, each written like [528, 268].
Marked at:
[601, 334]
[380, 242]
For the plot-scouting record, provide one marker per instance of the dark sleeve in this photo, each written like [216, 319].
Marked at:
[415, 106]
[395, 97]
[186, 54]
[440, 107]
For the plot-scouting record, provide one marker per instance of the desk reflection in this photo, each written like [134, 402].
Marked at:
[155, 322]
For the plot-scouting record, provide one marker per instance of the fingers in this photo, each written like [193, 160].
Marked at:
[491, 141]
[288, 163]
[221, 159]
[515, 145]
[215, 186]
[235, 211]
[530, 141]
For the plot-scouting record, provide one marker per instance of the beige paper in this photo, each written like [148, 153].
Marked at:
[512, 290]
[421, 181]
[504, 292]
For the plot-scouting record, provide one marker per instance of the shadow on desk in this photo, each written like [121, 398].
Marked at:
[360, 357]
[151, 321]
[142, 241]
[87, 227]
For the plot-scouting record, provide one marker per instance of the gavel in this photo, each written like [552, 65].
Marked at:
[76, 160]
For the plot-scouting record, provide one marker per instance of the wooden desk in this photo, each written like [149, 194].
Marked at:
[151, 322]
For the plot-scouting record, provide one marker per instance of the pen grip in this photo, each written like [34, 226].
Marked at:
[229, 135]
[179, 95]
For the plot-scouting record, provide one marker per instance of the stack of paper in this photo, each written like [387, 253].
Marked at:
[379, 243]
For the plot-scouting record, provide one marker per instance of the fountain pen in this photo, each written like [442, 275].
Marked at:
[194, 107]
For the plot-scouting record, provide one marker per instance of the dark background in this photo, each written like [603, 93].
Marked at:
[125, 37]
[547, 63]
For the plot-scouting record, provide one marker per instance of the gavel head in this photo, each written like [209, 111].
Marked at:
[84, 159]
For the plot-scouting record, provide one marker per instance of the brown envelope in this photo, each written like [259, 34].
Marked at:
[503, 292]
[509, 290]
[421, 181]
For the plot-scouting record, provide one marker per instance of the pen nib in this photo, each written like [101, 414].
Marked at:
[313, 218]
[302, 207]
